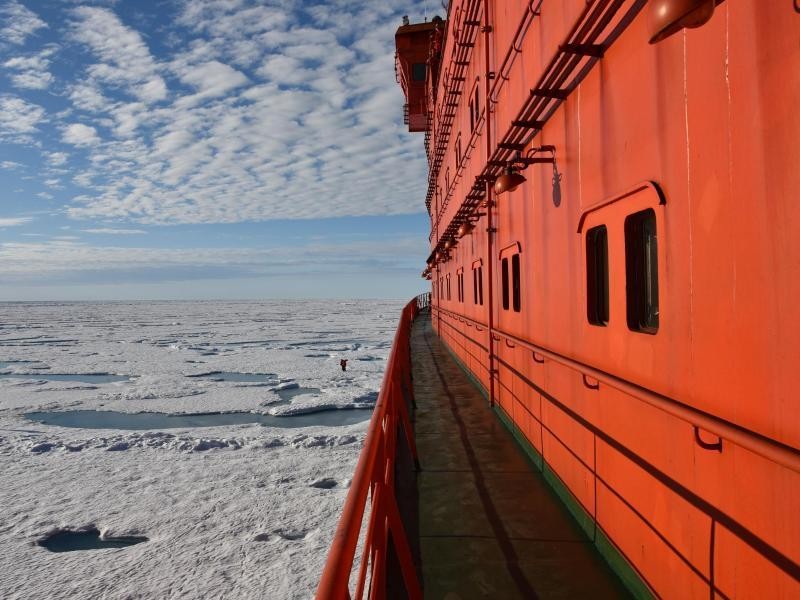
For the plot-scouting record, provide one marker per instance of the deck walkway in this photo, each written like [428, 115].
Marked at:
[489, 526]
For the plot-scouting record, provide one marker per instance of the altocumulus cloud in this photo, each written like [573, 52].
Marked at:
[220, 112]
[79, 134]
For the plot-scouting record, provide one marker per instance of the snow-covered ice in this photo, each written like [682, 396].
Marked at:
[240, 511]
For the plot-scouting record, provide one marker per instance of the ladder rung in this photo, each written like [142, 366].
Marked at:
[550, 93]
[528, 124]
[595, 50]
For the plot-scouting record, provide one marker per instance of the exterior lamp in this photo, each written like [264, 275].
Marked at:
[508, 181]
[465, 228]
[512, 178]
[449, 244]
[670, 16]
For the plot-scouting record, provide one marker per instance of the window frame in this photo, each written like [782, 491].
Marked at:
[598, 311]
[641, 272]
[504, 279]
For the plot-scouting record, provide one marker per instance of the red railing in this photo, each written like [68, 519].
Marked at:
[374, 480]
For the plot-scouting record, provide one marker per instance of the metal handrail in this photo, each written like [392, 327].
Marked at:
[778, 452]
[374, 480]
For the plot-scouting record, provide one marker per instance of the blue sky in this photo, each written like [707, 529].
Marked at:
[206, 149]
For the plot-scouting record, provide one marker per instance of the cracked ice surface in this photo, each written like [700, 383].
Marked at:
[241, 511]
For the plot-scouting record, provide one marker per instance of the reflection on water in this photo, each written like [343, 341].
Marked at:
[81, 377]
[68, 541]
[94, 419]
[238, 377]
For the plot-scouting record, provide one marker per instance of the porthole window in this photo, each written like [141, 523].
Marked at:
[597, 275]
[641, 271]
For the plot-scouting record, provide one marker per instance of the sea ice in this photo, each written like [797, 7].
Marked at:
[240, 511]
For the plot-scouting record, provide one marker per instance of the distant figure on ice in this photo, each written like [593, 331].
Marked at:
[343, 364]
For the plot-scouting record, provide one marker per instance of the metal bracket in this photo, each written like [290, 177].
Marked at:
[591, 386]
[706, 445]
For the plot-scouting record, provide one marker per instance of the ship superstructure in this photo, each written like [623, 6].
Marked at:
[614, 259]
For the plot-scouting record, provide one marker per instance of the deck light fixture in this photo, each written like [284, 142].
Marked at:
[449, 244]
[508, 181]
[670, 16]
[512, 178]
[465, 228]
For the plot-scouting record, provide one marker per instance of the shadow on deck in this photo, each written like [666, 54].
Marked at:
[489, 525]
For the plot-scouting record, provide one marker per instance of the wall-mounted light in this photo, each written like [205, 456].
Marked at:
[670, 16]
[465, 228]
[511, 179]
[508, 181]
[449, 243]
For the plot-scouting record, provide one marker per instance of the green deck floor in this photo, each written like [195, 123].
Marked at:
[489, 525]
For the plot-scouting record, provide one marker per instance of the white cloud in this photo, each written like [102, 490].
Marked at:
[18, 116]
[31, 72]
[57, 159]
[286, 111]
[14, 221]
[79, 134]
[10, 165]
[127, 62]
[17, 23]
[112, 231]
[212, 78]
[67, 255]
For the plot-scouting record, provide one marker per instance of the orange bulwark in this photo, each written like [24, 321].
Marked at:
[615, 261]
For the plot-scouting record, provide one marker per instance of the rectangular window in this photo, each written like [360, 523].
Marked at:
[504, 271]
[480, 286]
[515, 281]
[471, 116]
[458, 151]
[477, 102]
[418, 72]
[448, 287]
[475, 285]
[597, 275]
[641, 271]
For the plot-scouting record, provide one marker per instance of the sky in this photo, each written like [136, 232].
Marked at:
[207, 149]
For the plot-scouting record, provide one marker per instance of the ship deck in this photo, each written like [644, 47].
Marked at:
[489, 525]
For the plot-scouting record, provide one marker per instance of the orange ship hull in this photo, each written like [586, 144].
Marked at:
[672, 434]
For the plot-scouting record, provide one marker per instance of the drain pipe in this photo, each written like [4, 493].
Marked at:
[490, 229]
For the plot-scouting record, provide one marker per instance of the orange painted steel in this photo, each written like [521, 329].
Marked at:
[701, 129]
[374, 481]
[779, 453]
